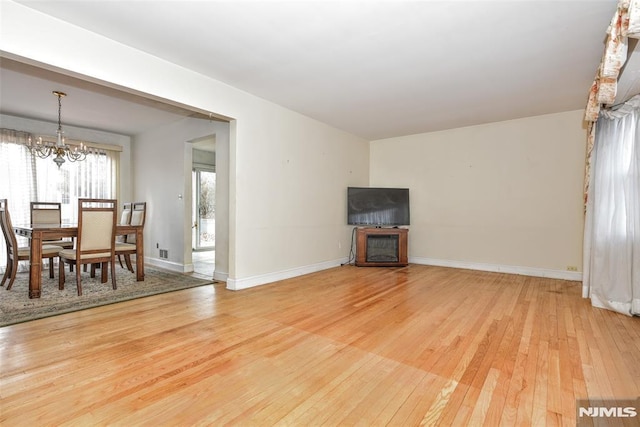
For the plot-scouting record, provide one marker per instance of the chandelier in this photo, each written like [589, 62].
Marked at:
[59, 148]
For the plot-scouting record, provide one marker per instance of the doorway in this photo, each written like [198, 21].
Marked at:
[204, 210]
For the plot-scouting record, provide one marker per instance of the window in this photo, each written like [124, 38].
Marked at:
[612, 223]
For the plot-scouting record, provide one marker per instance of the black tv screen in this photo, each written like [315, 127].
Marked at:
[377, 206]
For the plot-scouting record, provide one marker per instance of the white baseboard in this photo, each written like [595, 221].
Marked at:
[250, 282]
[497, 268]
[180, 268]
[168, 265]
[220, 276]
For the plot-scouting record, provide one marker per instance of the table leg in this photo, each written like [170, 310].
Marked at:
[35, 267]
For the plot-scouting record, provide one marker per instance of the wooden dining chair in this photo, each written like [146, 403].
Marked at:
[130, 245]
[95, 243]
[49, 213]
[15, 253]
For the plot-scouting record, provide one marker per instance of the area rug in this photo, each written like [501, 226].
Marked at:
[16, 307]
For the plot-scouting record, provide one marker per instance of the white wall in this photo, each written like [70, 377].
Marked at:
[287, 173]
[162, 160]
[294, 191]
[503, 196]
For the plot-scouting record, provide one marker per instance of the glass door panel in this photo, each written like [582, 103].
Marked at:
[204, 221]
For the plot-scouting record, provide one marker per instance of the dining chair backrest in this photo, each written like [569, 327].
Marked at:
[49, 213]
[7, 228]
[46, 213]
[125, 217]
[96, 227]
[138, 217]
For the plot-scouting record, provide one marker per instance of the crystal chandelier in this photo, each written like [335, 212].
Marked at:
[60, 149]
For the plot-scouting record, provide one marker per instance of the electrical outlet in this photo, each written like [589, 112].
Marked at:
[572, 268]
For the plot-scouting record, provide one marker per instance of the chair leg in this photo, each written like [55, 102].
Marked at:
[51, 276]
[127, 260]
[78, 280]
[113, 275]
[103, 273]
[6, 273]
[12, 272]
[120, 261]
[61, 274]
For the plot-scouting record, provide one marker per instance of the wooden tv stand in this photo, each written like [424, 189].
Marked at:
[381, 247]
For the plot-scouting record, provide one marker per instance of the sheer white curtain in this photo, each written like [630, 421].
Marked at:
[90, 178]
[25, 178]
[17, 182]
[612, 227]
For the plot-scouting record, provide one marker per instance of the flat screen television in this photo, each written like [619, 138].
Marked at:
[377, 207]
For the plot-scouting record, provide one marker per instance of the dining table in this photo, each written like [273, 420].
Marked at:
[38, 233]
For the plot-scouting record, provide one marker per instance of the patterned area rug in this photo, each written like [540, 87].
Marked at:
[16, 307]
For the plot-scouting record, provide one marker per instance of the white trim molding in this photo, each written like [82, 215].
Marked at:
[168, 265]
[498, 268]
[250, 282]
[220, 276]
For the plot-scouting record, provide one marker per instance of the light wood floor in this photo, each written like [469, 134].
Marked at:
[346, 346]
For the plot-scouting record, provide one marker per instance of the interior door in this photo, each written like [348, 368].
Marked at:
[204, 218]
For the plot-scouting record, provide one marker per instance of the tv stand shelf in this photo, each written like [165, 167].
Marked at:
[381, 247]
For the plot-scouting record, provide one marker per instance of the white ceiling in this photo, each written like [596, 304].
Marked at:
[376, 69]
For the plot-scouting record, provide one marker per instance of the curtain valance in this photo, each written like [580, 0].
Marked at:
[625, 24]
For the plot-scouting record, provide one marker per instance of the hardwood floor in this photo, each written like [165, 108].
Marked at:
[346, 346]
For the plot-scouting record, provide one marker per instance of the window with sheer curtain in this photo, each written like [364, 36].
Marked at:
[611, 276]
[26, 178]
